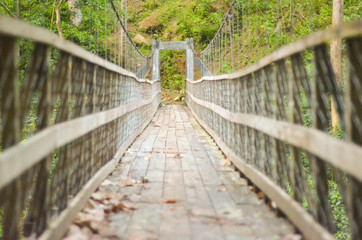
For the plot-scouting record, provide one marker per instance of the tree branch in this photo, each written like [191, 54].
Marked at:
[58, 19]
[7, 10]
[18, 9]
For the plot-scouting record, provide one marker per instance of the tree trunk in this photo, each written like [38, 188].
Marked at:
[58, 19]
[76, 15]
[123, 35]
[336, 55]
[18, 9]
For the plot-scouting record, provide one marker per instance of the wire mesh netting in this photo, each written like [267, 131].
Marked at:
[77, 110]
[301, 89]
[286, 91]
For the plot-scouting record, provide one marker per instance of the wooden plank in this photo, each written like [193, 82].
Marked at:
[341, 154]
[145, 222]
[223, 202]
[173, 186]
[305, 223]
[12, 162]
[157, 161]
[171, 143]
[155, 175]
[204, 228]
[238, 188]
[147, 144]
[209, 174]
[173, 163]
[175, 223]
[139, 168]
[192, 178]
[160, 143]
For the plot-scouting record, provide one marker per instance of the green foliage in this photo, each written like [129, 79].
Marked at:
[1, 221]
[338, 211]
[171, 79]
[200, 21]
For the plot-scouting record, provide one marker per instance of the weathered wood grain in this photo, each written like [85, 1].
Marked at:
[186, 194]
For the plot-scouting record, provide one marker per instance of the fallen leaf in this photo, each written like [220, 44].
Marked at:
[142, 236]
[108, 232]
[171, 201]
[89, 215]
[97, 226]
[91, 204]
[260, 195]
[273, 204]
[105, 197]
[144, 180]
[97, 196]
[226, 163]
[156, 125]
[127, 182]
[293, 237]
[108, 182]
[75, 233]
[119, 207]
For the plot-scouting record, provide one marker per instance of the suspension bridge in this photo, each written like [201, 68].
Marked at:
[250, 156]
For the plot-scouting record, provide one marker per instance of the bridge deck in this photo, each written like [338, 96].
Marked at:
[178, 188]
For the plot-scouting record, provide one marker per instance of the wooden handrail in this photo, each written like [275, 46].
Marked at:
[341, 154]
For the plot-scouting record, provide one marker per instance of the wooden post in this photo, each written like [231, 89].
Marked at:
[18, 9]
[190, 60]
[123, 34]
[156, 60]
[336, 55]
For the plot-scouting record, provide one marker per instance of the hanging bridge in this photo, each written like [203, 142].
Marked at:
[250, 156]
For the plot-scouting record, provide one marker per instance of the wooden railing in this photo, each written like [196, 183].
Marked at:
[272, 120]
[65, 122]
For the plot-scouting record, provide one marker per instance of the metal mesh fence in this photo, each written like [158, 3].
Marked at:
[269, 114]
[65, 117]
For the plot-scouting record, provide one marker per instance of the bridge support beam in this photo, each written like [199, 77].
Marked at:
[156, 75]
[190, 59]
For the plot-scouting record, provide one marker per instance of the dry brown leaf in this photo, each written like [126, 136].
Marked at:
[156, 125]
[97, 196]
[293, 237]
[76, 233]
[119, 207]
[144, 180]
[108, 182]
[272, 204]
[135, 198]
[226, 163]
[123, 207]
[89, 215]
[260, 195]
[141, 236]
[106, 198]
[91, 204]
[108, 232]
[171, 201]
[127, 182]
[96, 226]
